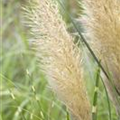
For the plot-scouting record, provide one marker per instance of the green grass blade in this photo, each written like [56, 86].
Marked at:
[108, 101]
[95, 98]
[68, 116]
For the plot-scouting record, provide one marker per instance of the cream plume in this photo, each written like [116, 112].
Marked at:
[59, 56]
[102, 26]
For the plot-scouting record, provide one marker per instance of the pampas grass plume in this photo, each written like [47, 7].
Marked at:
[60, 58]
[102, 30]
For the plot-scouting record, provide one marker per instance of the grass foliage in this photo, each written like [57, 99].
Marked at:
[25, 94]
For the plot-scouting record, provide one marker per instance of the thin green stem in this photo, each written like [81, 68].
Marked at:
[95, 98]
[108, 101]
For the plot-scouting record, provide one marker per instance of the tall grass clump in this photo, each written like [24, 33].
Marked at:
[24, 91]
[60, 59]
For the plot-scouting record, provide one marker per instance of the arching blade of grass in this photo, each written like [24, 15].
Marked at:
[108, 101]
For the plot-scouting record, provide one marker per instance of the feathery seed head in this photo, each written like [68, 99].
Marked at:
[59, 56]
[102, 26]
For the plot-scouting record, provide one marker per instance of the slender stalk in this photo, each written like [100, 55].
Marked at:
[95, 98]
[108, 101]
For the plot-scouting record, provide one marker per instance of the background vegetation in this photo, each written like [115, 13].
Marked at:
[25, 94]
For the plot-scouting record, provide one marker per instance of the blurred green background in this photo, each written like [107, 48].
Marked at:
[24, 93]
